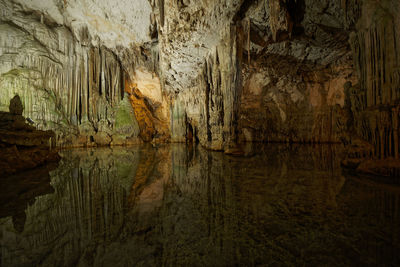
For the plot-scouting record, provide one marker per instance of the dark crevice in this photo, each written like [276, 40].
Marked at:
[189, 133]
[246, 4]
[296, 10]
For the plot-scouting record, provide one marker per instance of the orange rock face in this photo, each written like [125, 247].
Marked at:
[143, 116]
[152, 123]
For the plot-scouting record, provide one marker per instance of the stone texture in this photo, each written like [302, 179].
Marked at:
[22, 146]
[217, 72]
[62, 61]
[276, 73]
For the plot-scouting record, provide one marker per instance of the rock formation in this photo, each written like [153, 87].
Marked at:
[22, 146]
[218, 72]
[16, 107]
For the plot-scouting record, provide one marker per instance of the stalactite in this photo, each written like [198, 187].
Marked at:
[221, 85]
[279, 18]
[375, 52]
[352, 11]
[248, 41]
[80, 83]
[161, 6]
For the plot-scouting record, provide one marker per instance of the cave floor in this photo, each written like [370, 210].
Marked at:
[181, 205]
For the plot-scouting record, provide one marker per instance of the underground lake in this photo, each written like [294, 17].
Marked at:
[182, 205]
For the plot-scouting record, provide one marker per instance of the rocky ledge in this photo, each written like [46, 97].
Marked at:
[22, 146]
[360, 158]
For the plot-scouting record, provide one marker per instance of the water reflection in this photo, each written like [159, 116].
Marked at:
[174, 205]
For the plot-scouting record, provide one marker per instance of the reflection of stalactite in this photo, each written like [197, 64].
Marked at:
[395, 117]
[143, 112]
[203, 214]
[381, 207]
[87, 208]
[198, 207]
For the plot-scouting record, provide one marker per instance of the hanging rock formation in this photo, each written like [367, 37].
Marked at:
[276, 73]
[373, 102]
[66, 69]
[217, 72]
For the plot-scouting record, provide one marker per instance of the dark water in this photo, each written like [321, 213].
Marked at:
[175, 206]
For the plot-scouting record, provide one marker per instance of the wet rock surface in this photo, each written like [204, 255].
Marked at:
[180, 205]
[216, 72]
[220, 73]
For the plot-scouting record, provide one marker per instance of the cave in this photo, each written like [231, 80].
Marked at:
[204, 133]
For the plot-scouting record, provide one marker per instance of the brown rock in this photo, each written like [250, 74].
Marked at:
[16, 107]
[385, 167]
[102, 139]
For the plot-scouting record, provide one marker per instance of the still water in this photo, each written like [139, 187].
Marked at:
[174, 205]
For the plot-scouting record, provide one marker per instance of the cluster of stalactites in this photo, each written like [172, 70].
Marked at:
[377, 60]
[279, 18]
[221, 82]
[97, 74]
[376, 54]
[81, 83]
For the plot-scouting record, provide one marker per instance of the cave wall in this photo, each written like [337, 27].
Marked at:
[304, 71]
[69, 65]
[277, 72]
[217, 95]
[216, 72]
[374, 101]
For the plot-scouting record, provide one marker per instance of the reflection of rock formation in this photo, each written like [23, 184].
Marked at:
[87, 207]
[179, 205]
[19, 190]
